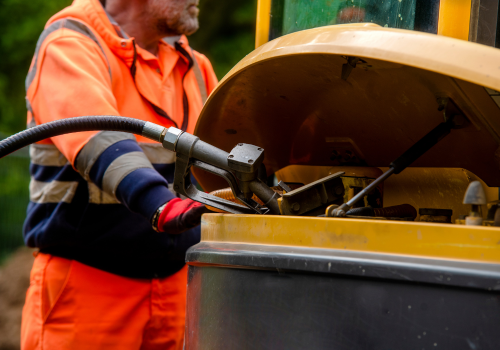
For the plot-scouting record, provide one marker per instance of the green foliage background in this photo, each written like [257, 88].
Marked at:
[226, 35]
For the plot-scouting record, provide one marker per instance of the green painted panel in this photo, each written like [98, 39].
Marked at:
[305, 14]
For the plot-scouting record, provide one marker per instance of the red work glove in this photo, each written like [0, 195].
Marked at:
[180, 215]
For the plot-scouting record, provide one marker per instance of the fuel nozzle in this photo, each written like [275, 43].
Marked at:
[476, 197]
[243, 169]
[245, 160]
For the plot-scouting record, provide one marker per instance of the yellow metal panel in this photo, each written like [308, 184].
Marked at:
[435, 188]
[288, 97]
[421, 187]
[480, 244]
[263, 22]
[454, 18]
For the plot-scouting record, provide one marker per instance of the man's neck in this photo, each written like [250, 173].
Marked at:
[135, 23]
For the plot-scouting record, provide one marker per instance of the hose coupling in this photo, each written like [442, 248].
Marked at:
[171, 137]
[153, 131]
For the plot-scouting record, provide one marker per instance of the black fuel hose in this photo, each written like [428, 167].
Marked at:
[199, 149]
[69, 125]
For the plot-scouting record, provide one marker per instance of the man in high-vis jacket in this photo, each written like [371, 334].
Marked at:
[110, 272]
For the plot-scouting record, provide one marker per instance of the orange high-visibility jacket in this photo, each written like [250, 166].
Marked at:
[93, 194]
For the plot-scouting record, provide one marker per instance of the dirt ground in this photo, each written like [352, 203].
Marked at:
[14, 281]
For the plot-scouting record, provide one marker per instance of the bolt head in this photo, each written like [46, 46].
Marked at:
[171, 137]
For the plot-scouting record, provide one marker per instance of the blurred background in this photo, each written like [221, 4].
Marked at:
[226, 35]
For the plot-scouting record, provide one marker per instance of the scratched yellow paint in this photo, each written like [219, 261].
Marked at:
[481, 244]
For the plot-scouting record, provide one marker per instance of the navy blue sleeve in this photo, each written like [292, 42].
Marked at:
[124, 171]
[144, 191]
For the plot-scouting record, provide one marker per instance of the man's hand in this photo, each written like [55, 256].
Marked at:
[180, 215]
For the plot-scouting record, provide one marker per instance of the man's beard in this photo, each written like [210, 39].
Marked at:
[179, 21]
[184, 25]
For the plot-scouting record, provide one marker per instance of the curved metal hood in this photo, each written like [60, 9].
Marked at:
[288, 96]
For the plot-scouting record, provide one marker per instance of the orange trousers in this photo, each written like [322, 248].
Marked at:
[74, 306]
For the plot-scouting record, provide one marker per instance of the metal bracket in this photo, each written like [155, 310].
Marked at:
[452, 111]
[284, 187]
[314, 195]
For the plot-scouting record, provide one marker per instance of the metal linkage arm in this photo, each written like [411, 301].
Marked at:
[405, 160]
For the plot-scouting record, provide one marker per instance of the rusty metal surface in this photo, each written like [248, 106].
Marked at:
[289, 98]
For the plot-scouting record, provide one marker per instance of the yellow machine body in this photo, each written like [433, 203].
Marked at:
[289, 97]
[445, 241]
[321, 95]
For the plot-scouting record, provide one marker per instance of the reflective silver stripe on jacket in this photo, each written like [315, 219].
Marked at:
[64, 191]
[94, 148]
[47, 155]
[121, 167]
[157, 154]
[52, 192]
[116, 26]
[66, 23]
[32, 122]
[97, 196]
[61, 191]
[171, 40]
[199, 79]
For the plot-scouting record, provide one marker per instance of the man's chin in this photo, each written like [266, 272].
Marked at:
[189, 27]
